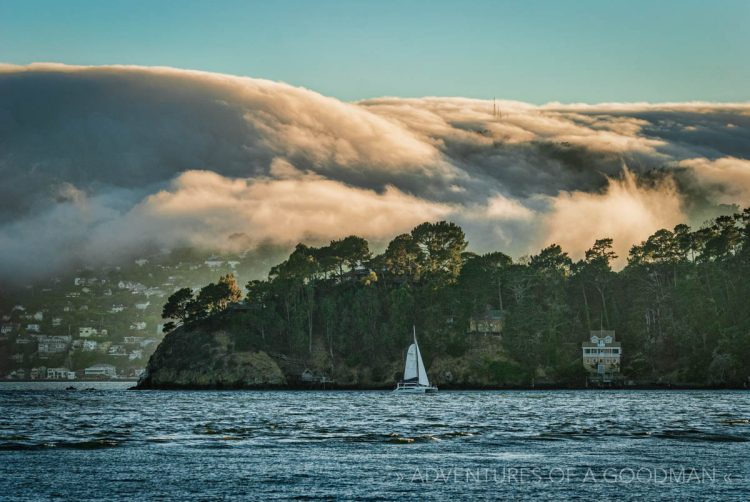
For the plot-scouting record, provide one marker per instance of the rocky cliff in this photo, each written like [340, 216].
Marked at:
[208, 359]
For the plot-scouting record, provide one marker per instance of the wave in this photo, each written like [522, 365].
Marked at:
[697, 435]
[69, 445]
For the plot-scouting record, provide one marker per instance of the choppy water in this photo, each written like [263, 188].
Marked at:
[112, 443]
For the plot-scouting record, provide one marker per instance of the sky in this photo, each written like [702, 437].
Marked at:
[149, 125]
[536, 51]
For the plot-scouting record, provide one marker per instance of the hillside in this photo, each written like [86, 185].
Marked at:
[679, 310]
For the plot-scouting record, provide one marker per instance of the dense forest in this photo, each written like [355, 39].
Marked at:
[679, 306]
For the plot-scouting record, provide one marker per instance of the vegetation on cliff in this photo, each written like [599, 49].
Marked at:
[679, 308]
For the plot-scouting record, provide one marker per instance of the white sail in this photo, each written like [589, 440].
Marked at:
[410, 370]
[415, 374]
[423, 380]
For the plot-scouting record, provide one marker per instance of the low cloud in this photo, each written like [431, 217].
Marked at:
[625, 211]
[99, 162]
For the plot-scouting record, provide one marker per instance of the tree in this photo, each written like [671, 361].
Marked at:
[552, 260]
[402, 257]
[441, 245]
[350, 251]
[215, 297]
[177, 307]
[233, 291]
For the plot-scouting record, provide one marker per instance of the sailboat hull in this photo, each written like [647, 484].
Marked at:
[412, 388]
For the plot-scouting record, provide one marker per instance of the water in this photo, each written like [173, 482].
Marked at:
[111, 443]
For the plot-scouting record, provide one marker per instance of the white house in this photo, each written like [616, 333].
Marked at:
[142, 306]
[136, 354]
[117, 308]
[101, 370]
[38, 372]
[87, 331]
[117, 350]
[33, 327]
[601, 355]
[139, 326]
[89, 345]
[141, 261]
[56, 321]
[60, 374]
[213, 262]
[39, 316]
[52, 344]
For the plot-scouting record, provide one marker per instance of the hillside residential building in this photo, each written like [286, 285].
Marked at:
[52, 345]
[601, 356]
[489, 323]
[100, 370]
[60, 374]
[89, 345]
[87, 331]
[38, 373]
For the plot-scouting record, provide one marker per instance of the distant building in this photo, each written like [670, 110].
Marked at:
[89, 345]
[60, 374]
[56, 321]
[47, 345]
[117, 350]
[87, 331]
[7, 328]
[33, 327]
[489, 323]
[100, 370]
[601, 356]
[142, 306]
[38, 373]
[138, 326]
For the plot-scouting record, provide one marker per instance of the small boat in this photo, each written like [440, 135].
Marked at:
[415, 374]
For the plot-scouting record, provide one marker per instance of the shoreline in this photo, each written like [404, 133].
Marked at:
[26, 380]
[341, 388]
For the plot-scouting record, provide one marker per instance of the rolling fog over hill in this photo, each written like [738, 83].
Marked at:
[114, 160]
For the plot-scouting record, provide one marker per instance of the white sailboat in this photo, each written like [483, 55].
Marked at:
[415, 374]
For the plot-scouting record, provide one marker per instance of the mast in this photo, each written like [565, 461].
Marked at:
[416, 351]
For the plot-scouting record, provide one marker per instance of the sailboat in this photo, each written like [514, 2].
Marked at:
[415, 374]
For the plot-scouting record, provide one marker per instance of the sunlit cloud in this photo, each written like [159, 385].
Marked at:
[112, 159]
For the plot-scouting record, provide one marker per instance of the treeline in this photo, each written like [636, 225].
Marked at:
[680, 307]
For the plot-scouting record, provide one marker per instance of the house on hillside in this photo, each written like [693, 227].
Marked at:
[47, 345]
[101, 371]
[489, 323]
[87, 332]
[601, 356]
[60, 374]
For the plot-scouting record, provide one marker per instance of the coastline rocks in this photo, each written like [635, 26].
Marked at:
[197, 359]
